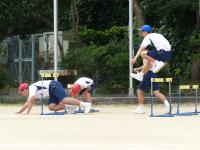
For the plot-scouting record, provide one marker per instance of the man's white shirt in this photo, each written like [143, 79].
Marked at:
[159, 41]
[36, 89]
[84, 82]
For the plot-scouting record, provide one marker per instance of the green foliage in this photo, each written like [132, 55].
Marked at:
[104, 59]
[173, 11]
[89, 36]
[102, 36]
[21, 16]
[177, 21]
[28, 17]
[107, 65]
[102, 14]
[194, 45]
[5, 79]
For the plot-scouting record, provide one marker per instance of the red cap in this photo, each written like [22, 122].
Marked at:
[75, 89]
[23, 86]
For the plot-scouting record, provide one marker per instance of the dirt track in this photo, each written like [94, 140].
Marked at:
[113, 128]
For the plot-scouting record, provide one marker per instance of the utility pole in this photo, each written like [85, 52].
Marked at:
[131, 50]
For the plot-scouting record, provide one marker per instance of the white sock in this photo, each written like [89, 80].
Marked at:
[82, 104]
[67, 106]
[166, 103]
[141, 106]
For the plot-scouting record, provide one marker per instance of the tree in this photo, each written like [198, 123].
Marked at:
[198, 15]
[138, 13]
[75, 20]
[102, 14]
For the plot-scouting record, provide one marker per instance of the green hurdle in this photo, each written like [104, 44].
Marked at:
[161, 80]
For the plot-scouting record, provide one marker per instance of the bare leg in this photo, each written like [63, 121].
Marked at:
[140, 95]
[163, 99]
[56, 107]
[140, 108]
[71, 101]
[159, 95]
[87, 97]
[149, 62]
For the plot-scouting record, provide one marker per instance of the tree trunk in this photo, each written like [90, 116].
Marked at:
[75, 20]
[196, 71]
[198, 15]
[138, 13]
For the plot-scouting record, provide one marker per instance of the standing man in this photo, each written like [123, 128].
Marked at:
[83, 86]
[143, 88]
[154, 47]
[58, 98]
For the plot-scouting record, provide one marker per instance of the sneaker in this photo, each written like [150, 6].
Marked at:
[158, 65]
[70, 109]
[139, 110]
[137, 76]
[86, 107]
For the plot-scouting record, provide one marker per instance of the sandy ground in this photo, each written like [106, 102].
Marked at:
[115, 127]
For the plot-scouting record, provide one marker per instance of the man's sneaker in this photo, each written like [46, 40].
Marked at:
[158, 65]
[137, 76]
[70, 109]
[139, 110]
[86, 107]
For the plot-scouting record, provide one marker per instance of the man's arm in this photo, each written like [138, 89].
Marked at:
[86, 90]
[138, 54]
[85, 94]
[24, 107]
[31, 102]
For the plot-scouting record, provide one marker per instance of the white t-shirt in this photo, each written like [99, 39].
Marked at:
[159, 41]
[35, 89]
[84, 82]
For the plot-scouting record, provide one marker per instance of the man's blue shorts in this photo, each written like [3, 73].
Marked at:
[160, 55]
[147, 82]
[91, 90]
[57, 92]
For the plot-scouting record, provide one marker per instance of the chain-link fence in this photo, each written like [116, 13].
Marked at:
[26, 56]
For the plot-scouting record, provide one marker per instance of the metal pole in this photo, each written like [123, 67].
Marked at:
[33, 59]
[131, 50]
[20, 60]
[152, 98]
[55, 36]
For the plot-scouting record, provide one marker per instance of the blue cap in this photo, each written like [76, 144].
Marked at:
[146, 28]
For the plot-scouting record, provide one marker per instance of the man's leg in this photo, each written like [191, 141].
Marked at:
[163, 99]
[87, 97]
[140, 95]
[140, 108]
[158, 59]
[72, 101]
[56, 107]
[146, 67]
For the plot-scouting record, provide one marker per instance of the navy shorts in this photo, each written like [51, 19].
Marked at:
[160, 55]
[147, 82]
[57, 92]
[91, 90]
